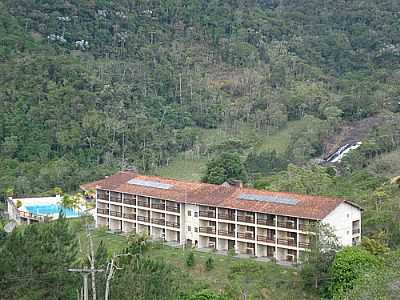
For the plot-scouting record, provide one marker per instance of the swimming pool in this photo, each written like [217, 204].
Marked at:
[51, 209]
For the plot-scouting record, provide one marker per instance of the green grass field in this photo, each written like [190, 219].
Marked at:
[190, 166]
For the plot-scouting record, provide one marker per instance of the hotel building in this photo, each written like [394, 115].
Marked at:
[255, 222]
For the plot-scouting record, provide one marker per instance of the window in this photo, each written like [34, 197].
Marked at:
[196, 214]
[189, 213]
[189, 228]
[196, 229]
[348, 215]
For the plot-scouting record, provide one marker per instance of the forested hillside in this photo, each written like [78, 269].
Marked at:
[89, 87]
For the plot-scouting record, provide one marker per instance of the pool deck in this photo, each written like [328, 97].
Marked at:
[17, 208]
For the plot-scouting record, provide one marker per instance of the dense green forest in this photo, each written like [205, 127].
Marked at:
[89, 87]
[248, 90]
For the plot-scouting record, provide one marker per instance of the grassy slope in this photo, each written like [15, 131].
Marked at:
[276, 283]
[189, 166]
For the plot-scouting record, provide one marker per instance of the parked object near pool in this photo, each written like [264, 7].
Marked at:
[39, 209]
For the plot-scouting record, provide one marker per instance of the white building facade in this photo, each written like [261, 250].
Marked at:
[274, 225]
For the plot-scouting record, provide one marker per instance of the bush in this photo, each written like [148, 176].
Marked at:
[210, 263]
[190, 259]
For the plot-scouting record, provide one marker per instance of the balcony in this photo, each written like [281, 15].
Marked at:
[143, 219]
[172, 224]
[226, 233]
[143, 203]
[356, 230]
[130, 201]
[103, 195]
[267, 222]
[130, 216]
[266, 239]
[305, 227]
[115, 213]
[287, 242]
[207, 213]
[159, 206]
[245, 235]
[102, 211]
[245, 218]
[210, 230]
[306, 245]
[172, 208]
[229, 217]
[158, 221]
[288, 225]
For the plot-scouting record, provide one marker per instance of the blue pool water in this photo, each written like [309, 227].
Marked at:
[51, 209]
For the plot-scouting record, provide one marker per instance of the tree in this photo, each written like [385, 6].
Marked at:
[379, 283]
[317, 261]
[225, 168]
[44, 251]
[349, 265]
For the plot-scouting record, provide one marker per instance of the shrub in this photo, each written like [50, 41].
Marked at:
[210, 263]
[190, 259]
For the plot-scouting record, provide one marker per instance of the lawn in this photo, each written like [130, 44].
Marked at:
[271, 282]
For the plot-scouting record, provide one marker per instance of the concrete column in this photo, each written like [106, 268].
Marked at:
[216, 228]
[276, 237]
[255, 235]
[236, 231]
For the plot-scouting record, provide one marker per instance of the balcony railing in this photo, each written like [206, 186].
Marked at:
[207, 213]
[356, 230]
[267, 222]
[287, 242]
[158, 221]
[288, 225]
[115, 213]
[210, 230]
[226, 233]
[130, 201]
[172, 208]
[102, 211]
[159, 206]
[116, 199]
[246, 219]
[266, 239]
[130, 216]
[245, 235]
[304, 227]
[224, 216]
[143, 219]
[172, 224]
[306, 245]
[143, 203]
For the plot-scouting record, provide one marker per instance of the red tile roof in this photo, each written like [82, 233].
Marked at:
[308, 207]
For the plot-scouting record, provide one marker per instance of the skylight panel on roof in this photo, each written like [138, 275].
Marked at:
[265, 198]
[151, 184]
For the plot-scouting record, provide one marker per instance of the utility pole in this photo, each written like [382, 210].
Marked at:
[85, 273]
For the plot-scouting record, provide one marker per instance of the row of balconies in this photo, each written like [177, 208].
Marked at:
[208, 212]
[288, 241]
[141, 201]
[250, 218]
